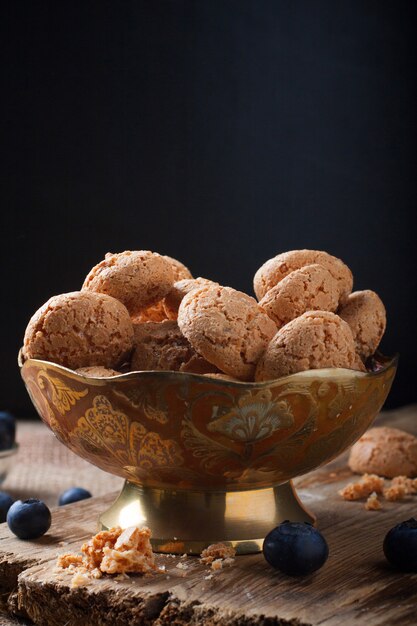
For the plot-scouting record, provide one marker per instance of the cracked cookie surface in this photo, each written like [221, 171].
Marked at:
[136, 278]
[227, 327]
[80, 329]
[366, 316]
[310, 288]
[179, 270]
[180, 289]
[316, 339]
[277, 268]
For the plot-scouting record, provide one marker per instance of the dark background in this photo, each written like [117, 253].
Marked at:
[218, 132]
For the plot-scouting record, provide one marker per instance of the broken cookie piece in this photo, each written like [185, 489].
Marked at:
[218, 555]
[132, 553]
[372, 503]
[363, 488]
[114, 551]
[371, 485]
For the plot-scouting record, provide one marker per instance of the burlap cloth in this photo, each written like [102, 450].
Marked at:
[44, 467]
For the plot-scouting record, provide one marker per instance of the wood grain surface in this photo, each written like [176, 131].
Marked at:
[355, 586]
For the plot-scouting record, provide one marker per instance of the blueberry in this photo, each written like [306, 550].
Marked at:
[73, 495]
[295, 548]
[5, 503]
[29, 519]
[400, 546]
[7, 430]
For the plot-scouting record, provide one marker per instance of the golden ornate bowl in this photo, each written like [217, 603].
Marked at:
[207, 460]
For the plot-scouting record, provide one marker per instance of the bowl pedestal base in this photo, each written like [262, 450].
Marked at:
[189, 521]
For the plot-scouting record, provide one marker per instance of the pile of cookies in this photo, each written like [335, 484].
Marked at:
[138, 310]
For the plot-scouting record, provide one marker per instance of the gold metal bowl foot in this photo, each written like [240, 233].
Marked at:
[189, 521]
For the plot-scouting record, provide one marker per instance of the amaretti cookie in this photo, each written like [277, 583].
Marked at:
[226, 327]
[366, 316]
[80, 329]
[180, 271]
[385, 451]
[316, 339]
[97, 371]
[162, 346]
[311, 288]
[274, 270]
[180, 289]
[136, 278]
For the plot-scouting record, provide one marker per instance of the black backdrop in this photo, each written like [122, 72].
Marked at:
[219, 132]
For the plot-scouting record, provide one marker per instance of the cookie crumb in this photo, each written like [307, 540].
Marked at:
[66, 561]
[372, 503]
[409, 484]
[395, 492]
[216, 551]
[80, 579]
[368, 484]
[181, 565]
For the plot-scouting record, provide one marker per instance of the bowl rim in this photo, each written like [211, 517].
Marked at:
[329, 372]
[9, 451]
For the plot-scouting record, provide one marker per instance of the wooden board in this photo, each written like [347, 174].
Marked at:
[66, 531]
[356, 585]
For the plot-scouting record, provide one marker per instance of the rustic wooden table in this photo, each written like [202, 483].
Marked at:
[356, 586]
